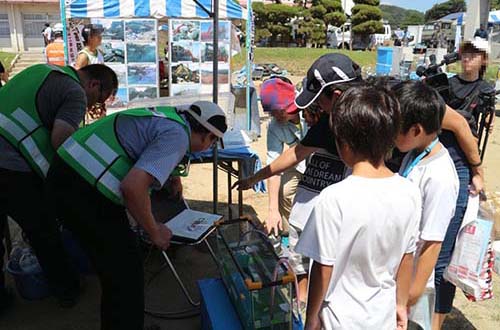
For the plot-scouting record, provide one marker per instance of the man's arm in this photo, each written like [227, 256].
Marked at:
[319, 282]
[403, 281]
[456, 123]
[425, 266]
[135, 189]
[60, 132]
[286, 160]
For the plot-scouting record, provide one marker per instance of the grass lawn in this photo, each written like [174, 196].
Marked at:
[297, 60]
[6, 58]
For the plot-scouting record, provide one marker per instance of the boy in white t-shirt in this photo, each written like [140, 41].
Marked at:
[431, 168]
[362, 232]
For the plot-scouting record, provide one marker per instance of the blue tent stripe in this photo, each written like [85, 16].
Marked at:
[78, 8]
[142, 8]
[495, 18]
[234, 10]
[200, 12]
[174, 8]
[111, 8]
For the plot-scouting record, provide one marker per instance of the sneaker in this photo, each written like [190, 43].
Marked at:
[6, 300]
[70, 298]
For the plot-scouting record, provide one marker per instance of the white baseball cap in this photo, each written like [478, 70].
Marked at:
[477, 44]
[210, 115]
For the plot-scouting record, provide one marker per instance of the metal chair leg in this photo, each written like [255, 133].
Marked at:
[181, 284]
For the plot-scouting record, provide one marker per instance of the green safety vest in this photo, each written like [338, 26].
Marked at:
[20, 122]
[96, 154]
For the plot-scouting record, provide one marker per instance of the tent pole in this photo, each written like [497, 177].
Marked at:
[248, 45]
[215, 96]
[62, 6]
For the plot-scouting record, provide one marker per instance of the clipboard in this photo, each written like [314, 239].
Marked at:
[192, 227]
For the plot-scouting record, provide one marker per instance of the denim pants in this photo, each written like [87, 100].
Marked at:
[445, 291]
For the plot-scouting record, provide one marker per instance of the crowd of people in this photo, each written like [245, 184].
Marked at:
[388, 170]
[368, 182]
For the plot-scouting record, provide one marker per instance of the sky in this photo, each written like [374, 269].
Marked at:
[421, 5]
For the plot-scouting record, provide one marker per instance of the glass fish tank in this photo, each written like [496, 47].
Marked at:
[259, 286]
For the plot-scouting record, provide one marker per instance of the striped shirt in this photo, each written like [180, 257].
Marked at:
[156, 144]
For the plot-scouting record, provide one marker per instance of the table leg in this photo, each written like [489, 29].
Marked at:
[229, 195]
[240, 192]
[181, 284]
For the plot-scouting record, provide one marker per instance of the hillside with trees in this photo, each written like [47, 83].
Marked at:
[397, 16]
[442, 9]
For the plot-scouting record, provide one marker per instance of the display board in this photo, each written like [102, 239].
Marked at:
[130, 48]
[191, 56]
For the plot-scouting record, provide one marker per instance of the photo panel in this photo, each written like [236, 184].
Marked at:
[121, 73]
[141, 53]
[142, 93]
[113, 29]
[185, 30]
[207, 33]
[142, 74]
[185, 73]
[207, 52]
[140, 30]
[185, 90]
[113, 51]
[185, 51]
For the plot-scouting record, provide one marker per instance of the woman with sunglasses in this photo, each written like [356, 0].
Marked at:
[110, 167]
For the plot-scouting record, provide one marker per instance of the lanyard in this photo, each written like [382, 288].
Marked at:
[419, 157]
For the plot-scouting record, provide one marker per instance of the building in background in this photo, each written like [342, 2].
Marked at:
[22, 22]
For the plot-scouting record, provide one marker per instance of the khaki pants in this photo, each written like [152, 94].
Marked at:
[289, 181]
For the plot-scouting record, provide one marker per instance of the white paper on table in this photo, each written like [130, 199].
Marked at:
[192, 224]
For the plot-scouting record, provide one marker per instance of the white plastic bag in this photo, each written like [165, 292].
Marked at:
[469, 267]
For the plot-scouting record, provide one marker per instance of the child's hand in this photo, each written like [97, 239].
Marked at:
[401, 317]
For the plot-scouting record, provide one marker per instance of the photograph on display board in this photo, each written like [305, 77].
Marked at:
[113, 29]
[142, 74]
[121, 73]
[142, 92]
[207, 33]
[185, 51]
[208, 78]
[185, 73]
[185, 30]
[140, 30]
[207, 52]
[141, 53]
[186, 90]
[113, 51]
[120, 99]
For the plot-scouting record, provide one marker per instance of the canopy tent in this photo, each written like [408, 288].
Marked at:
[228, 9]
[213, 9]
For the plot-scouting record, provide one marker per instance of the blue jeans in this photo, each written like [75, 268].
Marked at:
[445, 291]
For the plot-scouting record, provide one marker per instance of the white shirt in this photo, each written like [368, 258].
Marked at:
[437, 180]
[362, 227]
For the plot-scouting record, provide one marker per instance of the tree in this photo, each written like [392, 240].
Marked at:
[327, 12]
[366, 19]
[494, 4]
[273, 21]
[442, 9]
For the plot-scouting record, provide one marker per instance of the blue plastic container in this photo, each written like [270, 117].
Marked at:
[30, 286]
[384, 61]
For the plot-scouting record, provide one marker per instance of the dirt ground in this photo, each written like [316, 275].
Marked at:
[163, 294]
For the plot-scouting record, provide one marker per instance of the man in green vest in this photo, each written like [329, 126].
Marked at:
[39, 109]
[109, 167]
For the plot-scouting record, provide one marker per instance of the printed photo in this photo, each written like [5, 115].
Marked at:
[185, 51]
[140, 30]
[142, 93]
[186, 90]
[207, 33]
[120, 99]
[142, 74]
[207, 76]
[207, 53]
[141, 53]
[185, 30]
[113, 51]
[121, 73]
[185, 73]
[113, 29]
